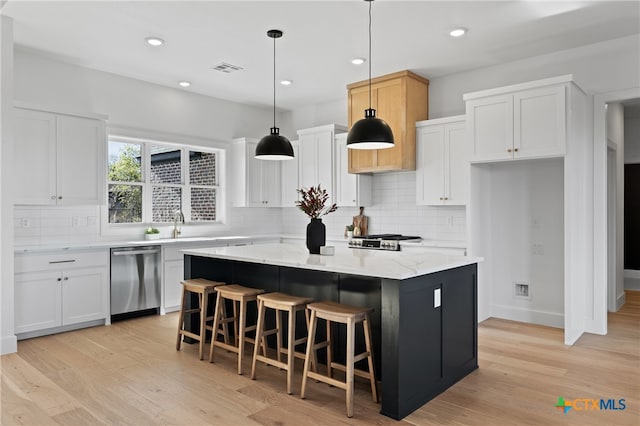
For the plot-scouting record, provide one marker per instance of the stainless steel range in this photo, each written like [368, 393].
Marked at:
[390, 242]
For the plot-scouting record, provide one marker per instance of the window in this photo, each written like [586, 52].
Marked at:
[149, 182]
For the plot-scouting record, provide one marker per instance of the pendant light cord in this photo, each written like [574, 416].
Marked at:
[274, 82]
[370, 1]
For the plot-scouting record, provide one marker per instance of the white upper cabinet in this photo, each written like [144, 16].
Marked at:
[517, 122]
[442, 162]
[59, 158]
[352, 190]
[290, 169]
[316, 151]
[255, 183]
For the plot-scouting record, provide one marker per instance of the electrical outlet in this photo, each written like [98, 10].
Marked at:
[537, 249]
[25, 222]
[522, 290]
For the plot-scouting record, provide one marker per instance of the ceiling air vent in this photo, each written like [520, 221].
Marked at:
[226, 68]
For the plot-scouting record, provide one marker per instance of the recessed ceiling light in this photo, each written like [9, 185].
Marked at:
[358, 61]
[184, 84]
[286, 82]
[458, 32]
[154, 41]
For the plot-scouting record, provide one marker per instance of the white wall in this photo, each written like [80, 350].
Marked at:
[631, 139]
[616, 134]
[522, 204]
[8, 342]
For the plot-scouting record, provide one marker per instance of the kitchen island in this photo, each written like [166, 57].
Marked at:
[424, 324]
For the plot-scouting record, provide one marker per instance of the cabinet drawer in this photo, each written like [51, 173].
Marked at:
[60, 260]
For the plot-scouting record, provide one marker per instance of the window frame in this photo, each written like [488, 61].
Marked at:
[185, 185]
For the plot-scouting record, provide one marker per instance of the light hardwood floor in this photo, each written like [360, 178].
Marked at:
[130, 373]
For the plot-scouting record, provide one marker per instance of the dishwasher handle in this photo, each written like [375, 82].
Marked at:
[132, 252]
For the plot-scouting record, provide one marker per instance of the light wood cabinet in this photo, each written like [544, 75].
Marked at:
[54, 291]
[59, 158]
[442, 171]
[255, 183]
[352, 190]
[507, 123]
[401, 99]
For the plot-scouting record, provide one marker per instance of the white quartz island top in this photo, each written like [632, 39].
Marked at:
[399, 265]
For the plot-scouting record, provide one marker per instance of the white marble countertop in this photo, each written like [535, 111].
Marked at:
[228, 239]
[373, 263]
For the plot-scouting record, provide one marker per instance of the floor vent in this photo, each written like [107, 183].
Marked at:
[226, 68]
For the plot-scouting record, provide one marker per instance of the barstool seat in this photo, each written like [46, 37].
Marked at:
[240, 295]
[203, 288]
[280, 302]
[344, 314]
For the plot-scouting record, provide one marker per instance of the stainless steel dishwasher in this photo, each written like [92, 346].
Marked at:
[135, 281]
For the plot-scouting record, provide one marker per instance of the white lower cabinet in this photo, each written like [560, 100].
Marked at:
[173, 273]
[442, 162]
[58, 290]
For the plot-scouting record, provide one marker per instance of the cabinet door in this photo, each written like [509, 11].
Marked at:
[540, 122]
[83, 295]
[271, 183]
[80, 157]
[459, 322]
[346, 184]
[324, 161]
[430, 161]
[290, 178]
[38, 301]
[361, 159]
[173, 274]
[34, 157]
[308, 160]
[456, 160]
[254, 177]
[389, 95]
[491, 127]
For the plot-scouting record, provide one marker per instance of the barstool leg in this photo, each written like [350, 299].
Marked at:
[278, 334]
[259, 333]
[243, 306]
[329, 350]
[291, 347]
[314, 359]
[351, 331]
[310, 348]
[216, 324]
[203, 321]
[367, 340]
[181, 319]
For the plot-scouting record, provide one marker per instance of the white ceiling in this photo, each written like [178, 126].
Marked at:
[320, 38]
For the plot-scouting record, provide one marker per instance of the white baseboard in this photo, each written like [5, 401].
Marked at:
[8, 345]
[620, 301]
[551, 319]
[632, 273]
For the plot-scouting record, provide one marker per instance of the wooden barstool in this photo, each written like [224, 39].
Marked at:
[281, 303]
[344, 314]
[203, 288]
[240, 295]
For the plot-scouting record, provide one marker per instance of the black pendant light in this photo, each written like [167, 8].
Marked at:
[274, 146]
[370, 132]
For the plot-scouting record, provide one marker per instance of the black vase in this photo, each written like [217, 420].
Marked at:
[316, 235]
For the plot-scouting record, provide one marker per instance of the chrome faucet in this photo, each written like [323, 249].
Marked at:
[178, 217]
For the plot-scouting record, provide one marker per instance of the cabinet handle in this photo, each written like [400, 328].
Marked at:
[508, 149]
[515, 150]
[52, 262]
[446, 198]
[59, 197]
[66, 278]
[59, 279]
[53, 197]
